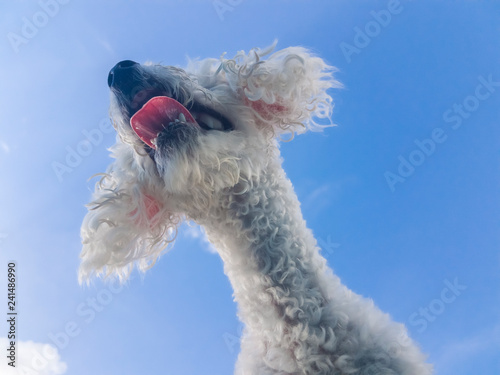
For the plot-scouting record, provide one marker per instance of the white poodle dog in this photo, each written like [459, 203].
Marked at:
[201, 144]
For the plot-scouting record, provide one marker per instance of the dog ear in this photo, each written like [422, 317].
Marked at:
[125, 224]
[288, 90]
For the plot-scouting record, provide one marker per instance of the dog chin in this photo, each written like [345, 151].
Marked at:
[176, 138]
[202, 163]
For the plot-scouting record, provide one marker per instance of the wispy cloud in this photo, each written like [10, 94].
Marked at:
[317, 193]
[320, 197]
[106, 45]
[33, 358]
[196, 232]
[5, 147]
[466, 350]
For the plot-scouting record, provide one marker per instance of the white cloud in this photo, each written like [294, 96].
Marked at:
[32, 359]
[4, 146]
[466, 350]
[195, 231]
[319, 197]
[318, 193]
[105, 44]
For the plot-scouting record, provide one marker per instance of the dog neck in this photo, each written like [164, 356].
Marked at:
[298, 316]
[269, 256]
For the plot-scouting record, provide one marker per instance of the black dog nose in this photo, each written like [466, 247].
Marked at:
[121, 73]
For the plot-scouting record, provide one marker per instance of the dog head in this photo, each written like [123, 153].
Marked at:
[186, 135]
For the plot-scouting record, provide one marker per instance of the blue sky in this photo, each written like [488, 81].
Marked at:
[403, 195]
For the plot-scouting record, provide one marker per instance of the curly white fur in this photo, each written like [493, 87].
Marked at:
[299, 318]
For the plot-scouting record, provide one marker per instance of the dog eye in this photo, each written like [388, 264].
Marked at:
[208, 122]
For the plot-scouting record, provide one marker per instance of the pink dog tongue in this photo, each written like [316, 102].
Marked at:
[155, 116]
